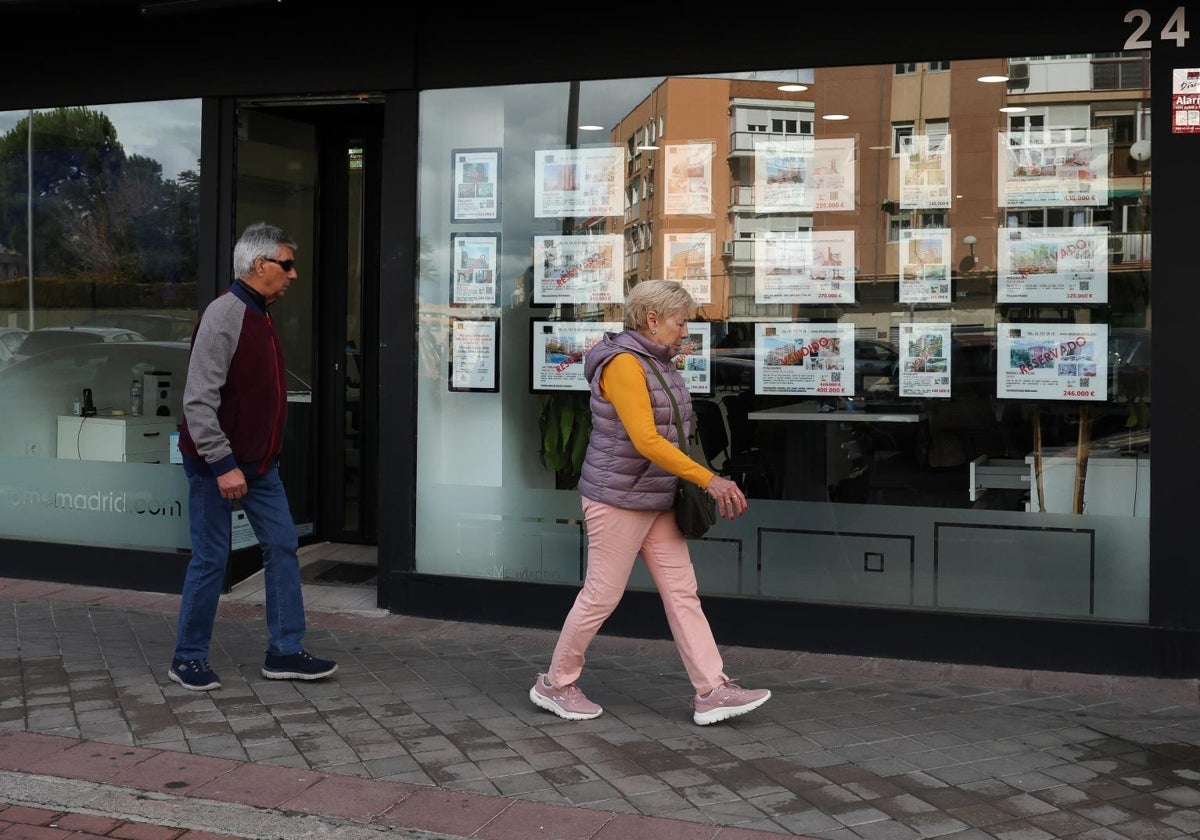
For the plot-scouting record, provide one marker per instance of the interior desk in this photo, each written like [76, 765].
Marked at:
[819, 457]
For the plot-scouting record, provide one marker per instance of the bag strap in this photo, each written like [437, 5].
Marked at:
[674, 405]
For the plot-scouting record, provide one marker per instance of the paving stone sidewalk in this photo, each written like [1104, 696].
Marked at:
[436, 714]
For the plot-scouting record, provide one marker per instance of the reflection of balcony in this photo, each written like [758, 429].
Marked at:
[1128, 247]
[741, 199]
[742, 143]
[740, 252]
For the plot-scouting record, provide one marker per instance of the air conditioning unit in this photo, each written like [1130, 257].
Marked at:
[727, 248]
[1018, 76]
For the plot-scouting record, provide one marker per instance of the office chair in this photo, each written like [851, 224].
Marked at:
[749, 468]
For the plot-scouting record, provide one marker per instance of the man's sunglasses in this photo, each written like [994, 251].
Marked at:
[286, 265]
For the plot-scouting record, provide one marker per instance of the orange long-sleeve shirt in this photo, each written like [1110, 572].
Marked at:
[623, 383]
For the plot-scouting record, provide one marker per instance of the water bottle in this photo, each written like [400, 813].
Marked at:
[135, 398]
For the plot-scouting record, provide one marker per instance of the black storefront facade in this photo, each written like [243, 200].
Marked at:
[978, 554]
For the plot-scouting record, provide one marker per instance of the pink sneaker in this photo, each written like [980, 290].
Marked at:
[726, 701]
[566, 702]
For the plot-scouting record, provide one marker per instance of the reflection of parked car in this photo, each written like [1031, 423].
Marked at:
[875, 367]
[49, 338]
[10, 340]
[34, 392]
[152, 327]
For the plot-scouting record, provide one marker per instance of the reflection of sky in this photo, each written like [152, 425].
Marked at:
[168, 131]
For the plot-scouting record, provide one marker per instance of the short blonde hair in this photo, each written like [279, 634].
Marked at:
[665, 297]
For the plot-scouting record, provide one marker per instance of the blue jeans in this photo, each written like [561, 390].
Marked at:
[211, 523]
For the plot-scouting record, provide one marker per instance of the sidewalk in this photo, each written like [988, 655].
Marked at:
[427, 731]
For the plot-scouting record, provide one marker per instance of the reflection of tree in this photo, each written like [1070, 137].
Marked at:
[98, 214]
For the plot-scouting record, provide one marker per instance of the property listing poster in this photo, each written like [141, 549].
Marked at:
[578, 182]
[474, 347]
[804, 359]
[1068, 173]
[833, 172]
[925, 360]
[1185, 100]
[925, 172]
[804, 175]
[924, 267]
[1052, 265]
[807, 267]
[689, 178]
[1052, 361]
[578, 269]
[476, 185]
[473, 280]
[688, 260]
[694, 359]
[781, 176]
[557, 352]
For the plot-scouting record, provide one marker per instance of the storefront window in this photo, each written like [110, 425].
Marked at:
[923, 340]
[99, 208]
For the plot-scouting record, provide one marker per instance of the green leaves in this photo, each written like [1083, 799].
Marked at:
[565, 422]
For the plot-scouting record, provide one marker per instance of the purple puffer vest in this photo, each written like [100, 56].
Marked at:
[614, 472]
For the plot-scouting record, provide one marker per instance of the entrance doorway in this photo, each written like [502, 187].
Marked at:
[314, 170]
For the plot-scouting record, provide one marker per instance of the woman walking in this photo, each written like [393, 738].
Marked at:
[630, 471]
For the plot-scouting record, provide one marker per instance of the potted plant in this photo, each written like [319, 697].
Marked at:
[565, 422]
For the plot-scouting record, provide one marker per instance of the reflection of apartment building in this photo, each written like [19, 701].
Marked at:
[886, 111]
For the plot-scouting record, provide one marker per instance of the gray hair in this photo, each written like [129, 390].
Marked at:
[258, 240]
[666, 297]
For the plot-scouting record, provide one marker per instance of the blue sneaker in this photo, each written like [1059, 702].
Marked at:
[297, 666]
[194, 674]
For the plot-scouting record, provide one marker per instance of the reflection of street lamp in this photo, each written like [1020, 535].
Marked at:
[970, 241]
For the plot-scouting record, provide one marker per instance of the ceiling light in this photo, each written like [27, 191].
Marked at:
[793, 88]
[878, 148]
[836, 117]
[591, 128]
[647, 148]
[1013, 109]
[991, 80]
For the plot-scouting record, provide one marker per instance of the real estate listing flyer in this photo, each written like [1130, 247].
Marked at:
[578, 269]
[476, 185]
[1052, 265]
[474, 348]
[688, 181]
[557, 349]
[694, 359]
[688, 260]
[804, 359]
[925, 360]
[475, 258]
[1052, 361]
[1059, 167]
[578, 182]
[804, 267]
[925, 172]
[924, 265]
[803, 175]
[833, 174]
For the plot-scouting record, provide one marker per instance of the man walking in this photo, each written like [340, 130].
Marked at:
[234, 410]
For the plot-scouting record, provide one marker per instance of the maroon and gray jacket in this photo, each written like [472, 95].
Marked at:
[614, 472]
[235, 399]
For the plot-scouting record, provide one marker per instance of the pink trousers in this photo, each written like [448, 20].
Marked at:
[615, 538]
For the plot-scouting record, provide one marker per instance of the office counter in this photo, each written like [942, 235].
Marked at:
[819, 457]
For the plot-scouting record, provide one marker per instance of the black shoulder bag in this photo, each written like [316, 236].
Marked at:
[695, 510]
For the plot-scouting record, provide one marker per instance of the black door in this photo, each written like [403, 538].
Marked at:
[314, 170]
